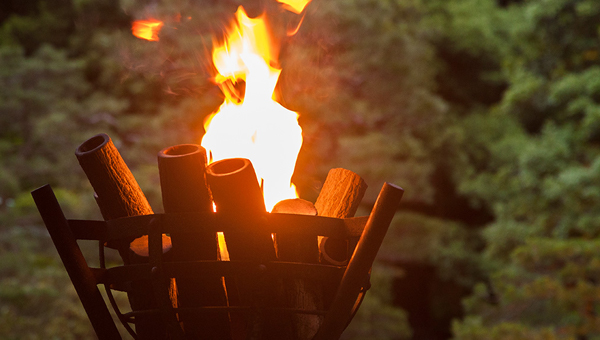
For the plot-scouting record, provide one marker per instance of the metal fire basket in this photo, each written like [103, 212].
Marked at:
[351, 281]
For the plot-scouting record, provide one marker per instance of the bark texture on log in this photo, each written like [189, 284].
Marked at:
[119, 195]
[118, 192]
[184, 190]
[340, 197]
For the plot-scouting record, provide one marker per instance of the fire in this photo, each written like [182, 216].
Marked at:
[147, 29]
[296, 6]
[251, 124]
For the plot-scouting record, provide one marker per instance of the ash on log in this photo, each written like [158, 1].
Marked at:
[238, 197]
[119, 195]
[184, 190]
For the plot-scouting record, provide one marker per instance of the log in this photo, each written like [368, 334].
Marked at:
[118, 192]
[237, 196]
[119, 195]
[356, 274]
[340, 197]
[294, 246]
[184, 190]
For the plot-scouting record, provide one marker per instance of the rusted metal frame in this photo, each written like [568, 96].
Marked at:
[136, 226]
[139, 225]
[72, 258]
[121, 274]
[88, 229]
[356, 275]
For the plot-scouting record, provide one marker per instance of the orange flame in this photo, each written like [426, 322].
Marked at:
[296, 6]
[255, 126]
[147, 29]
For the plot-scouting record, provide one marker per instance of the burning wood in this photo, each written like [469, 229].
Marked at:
[253, 125]
[279, 278]
[184, 190]
[237, 195]
[268, 297]
[236, 192]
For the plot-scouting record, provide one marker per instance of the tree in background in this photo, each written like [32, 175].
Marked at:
[533, 157]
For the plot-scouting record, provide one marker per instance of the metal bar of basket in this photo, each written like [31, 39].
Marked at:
[80, 274]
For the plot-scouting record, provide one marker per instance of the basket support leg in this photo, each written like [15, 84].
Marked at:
[80, 274]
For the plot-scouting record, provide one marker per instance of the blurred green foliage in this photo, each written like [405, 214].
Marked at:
[487, 112]
[37, 299]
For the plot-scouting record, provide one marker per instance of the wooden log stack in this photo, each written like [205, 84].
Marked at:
[242, 306]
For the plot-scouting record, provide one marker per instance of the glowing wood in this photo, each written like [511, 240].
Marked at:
[237, 196]
[184, 190]
[236, 193]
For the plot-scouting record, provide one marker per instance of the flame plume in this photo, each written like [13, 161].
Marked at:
[253, 125]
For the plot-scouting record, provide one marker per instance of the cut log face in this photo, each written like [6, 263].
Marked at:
[295, 206]
[184, 190]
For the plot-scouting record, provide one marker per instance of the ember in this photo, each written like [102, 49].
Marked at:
[147, 29]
